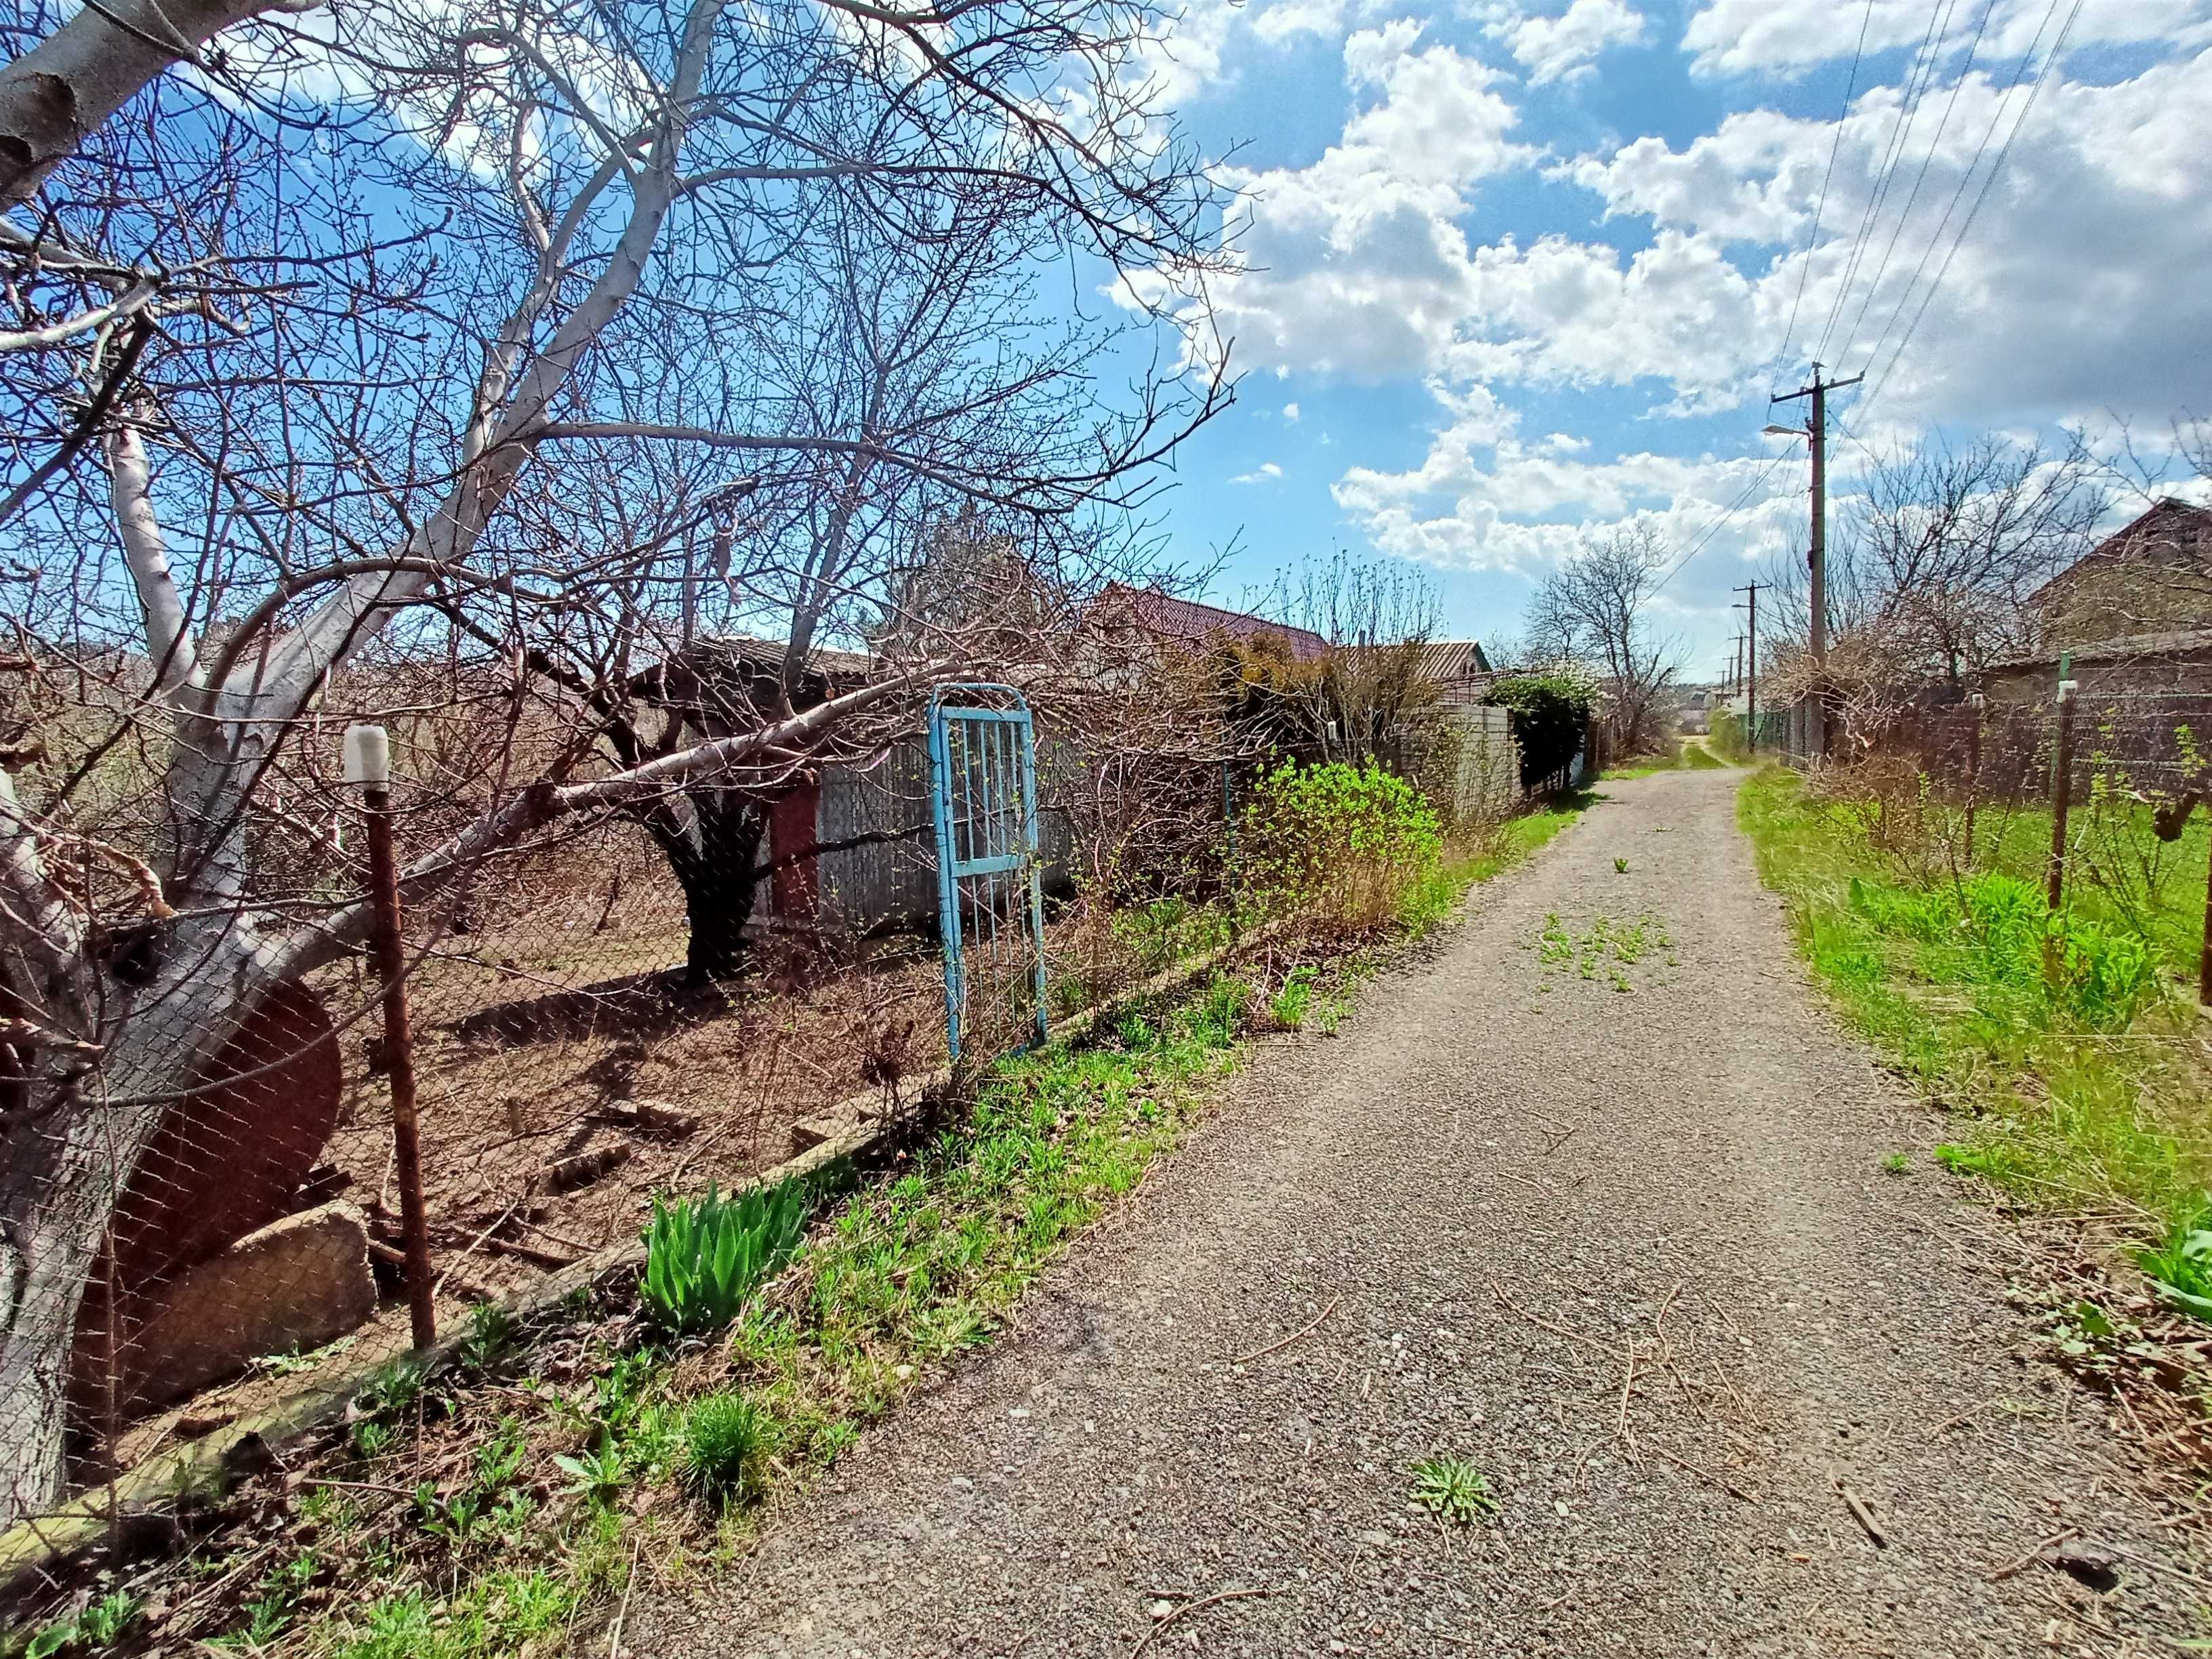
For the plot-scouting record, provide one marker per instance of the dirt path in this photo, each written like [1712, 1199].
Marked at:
[1630, 1250]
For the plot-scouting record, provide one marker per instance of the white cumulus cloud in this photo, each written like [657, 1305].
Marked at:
[1568, 46]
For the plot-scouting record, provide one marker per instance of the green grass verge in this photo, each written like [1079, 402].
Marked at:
[2067, 1100]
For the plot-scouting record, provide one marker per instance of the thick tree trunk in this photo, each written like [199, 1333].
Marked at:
[712, 842]
[67, 1159]
[69, 83]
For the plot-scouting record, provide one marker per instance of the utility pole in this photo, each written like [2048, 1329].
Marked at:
[1751, 655]
[1816, 433]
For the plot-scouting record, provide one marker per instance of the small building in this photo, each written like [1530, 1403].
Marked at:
[2153, 577]
[1462, 669]
[2174, 664]
[1147, 611]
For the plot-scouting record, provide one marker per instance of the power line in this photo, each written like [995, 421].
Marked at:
[1724, 515]
[1923, 64]
[1958, 195]
[1928, 157]
[1820, 207]
[1997, 167]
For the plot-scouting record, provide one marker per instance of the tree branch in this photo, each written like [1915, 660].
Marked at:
[168, 644]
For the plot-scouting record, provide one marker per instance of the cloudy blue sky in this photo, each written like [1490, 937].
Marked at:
[1518, 269]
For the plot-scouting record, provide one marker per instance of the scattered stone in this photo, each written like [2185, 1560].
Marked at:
[565, 1175]
[647, 1117]
[295, 1285]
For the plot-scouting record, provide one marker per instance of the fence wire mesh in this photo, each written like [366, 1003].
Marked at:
[2098, 798]
[576, 1048]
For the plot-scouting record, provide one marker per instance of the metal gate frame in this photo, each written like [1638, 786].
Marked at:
[990, 846]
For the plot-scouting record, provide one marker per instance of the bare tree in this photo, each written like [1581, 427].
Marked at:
[1378, 618]
[1935, 560]
[311, 349]
[1935, 554]
[1594, 608]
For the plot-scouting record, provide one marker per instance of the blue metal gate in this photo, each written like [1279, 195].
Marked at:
[990, 889]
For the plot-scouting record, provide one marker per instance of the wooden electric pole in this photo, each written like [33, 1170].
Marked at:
[1816, 433]
[1751, 657]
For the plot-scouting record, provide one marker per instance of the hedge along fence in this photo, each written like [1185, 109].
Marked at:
[1551, 721]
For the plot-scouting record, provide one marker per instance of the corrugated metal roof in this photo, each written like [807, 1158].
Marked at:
[1199, 623]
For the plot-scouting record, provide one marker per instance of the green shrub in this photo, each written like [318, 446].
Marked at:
[705, 1257]
[1347, 842]
[1550, 715]
[725, 1439]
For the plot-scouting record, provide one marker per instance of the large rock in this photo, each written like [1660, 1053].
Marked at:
[297, 1284]
[227, 1157]
[225, 1160]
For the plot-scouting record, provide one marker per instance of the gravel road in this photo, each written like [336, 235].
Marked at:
[1623, 1238]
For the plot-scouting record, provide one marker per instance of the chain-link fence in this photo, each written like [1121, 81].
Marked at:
[675, 991]
[208, 1119]
[2094, 796]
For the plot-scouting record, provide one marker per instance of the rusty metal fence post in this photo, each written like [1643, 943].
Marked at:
[2204, 949]
[368, 765]
[2061, 794]
[1973, 768]
[2062, 790]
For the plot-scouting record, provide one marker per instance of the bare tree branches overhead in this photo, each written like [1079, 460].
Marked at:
[1595, 609]
[1933, 558]
[410, 362]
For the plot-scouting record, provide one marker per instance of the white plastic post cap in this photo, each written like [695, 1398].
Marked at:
[367, 756]
[2068, 688]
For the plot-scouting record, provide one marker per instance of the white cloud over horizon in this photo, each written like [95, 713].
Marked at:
[1370, 264]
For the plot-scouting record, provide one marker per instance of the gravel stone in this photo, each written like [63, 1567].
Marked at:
[1683, 1176]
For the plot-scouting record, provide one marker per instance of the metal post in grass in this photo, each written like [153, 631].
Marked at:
[1973, 768]
[2062, 792]
[2062, 789]
[2204, 949]
[368, 767]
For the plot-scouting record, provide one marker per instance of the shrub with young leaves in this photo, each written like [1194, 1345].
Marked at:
[1345, 842]
[705, 1257]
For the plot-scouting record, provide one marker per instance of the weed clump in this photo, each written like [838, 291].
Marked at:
[1452, 1489]
[725, 1438]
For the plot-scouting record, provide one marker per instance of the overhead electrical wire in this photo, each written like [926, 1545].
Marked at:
[1923, 64]
[1966, 178]
[1820, 207]
[1928, 157]
[1997, 167]
[1720, 519]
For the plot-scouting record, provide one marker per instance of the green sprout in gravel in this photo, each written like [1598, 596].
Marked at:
[1897, 1163]
[1452, 1489]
